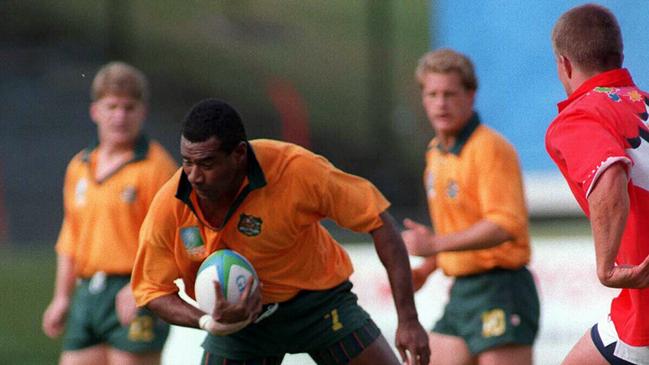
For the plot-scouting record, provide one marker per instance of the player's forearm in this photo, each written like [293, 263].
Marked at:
[609, 207]
[394, 257]
[65, 278]
[172, 309]
[483, 234]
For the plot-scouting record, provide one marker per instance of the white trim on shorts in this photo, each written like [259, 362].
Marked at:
[638, 355]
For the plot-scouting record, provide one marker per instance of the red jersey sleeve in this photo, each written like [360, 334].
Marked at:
[584, 148]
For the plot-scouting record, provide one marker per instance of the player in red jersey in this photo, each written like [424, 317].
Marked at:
[599, 141]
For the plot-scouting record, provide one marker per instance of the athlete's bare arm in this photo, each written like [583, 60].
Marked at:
[609, 207]
[174, 310]
[410, 337]
[56, 312]
[421, 241]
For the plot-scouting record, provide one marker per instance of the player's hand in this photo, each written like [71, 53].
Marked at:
[54, 317]
[421, 273]
[215, 328]
[418, 238]
[412, 342]
[247, 309]
[628, 276]
[125, 305]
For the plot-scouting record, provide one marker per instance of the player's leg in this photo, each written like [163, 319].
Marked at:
[584, 352]
[80, 344]
[378, 352]
[95, 355]
[446, 340]
[119, 357]
[601, 345]
[507, 355]
[496, 313]
[343, 332]
[449, 350]
[363, 346]
[139, 342]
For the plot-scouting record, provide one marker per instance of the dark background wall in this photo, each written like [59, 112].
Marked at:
[335, 76]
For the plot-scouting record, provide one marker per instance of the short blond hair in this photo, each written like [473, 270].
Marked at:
[590, 37]
[119, 78]
[444, 61]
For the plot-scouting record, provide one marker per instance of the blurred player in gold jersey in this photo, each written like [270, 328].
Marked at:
[476, 203]
[107, 191]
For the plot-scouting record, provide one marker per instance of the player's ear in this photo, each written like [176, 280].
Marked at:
[566, 65]
[93, 110]
[240, 151]
[145, 109]
[471, 94]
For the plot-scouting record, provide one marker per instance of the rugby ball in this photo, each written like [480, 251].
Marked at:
[231, 270]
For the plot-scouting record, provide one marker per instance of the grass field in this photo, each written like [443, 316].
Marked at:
[27, 280]
[27, 274]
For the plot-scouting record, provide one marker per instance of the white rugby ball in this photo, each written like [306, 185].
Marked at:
[231, 270]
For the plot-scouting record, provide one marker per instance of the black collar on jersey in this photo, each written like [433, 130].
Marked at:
[256, 180]
[139, 152]
[463, 136]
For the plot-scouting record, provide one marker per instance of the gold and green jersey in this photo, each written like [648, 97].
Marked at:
[478, 178]
[274, 222]
[102, 219]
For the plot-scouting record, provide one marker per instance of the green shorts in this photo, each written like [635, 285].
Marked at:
[92, 320]
[329, 325]
[492, 309]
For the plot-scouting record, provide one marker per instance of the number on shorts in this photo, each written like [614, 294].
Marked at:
[335, 321]
[141, 329]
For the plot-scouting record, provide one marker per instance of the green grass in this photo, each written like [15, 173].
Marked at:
[26, 286]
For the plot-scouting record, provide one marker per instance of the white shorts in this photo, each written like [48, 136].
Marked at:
[615, 350]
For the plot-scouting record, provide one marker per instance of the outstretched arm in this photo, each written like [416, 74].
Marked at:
[609, 207]
[411, 337]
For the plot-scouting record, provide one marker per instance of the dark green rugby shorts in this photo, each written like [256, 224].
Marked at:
[329, 325]
[92, 320]
[492, 309]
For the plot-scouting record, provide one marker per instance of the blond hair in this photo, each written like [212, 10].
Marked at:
[444, 61]
[119, 78]
[590, 37]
